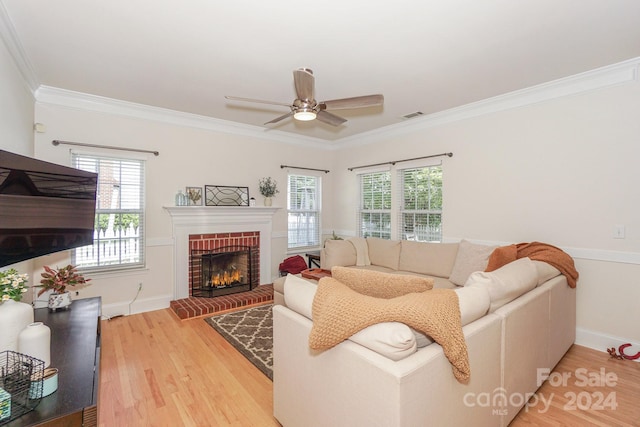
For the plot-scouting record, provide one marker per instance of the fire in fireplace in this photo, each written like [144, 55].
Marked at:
[220, 271]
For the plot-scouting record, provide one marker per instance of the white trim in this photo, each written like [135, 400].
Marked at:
[622, 72]
[87, 102]
[599, 341]
[140, 306]
[577, 253]
[188, 220]
[12, 41]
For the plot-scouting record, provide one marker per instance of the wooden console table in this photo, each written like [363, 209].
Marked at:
[75, 351]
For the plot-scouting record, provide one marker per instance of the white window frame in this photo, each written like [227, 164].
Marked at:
[304, 214]
[115, 247]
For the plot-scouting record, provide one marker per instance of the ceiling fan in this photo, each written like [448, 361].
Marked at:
[306, 108]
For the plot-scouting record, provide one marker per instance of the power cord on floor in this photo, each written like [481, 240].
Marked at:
[136, 297]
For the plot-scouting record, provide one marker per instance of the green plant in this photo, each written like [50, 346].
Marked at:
[268, 187]
[12, 285]
[58, 280]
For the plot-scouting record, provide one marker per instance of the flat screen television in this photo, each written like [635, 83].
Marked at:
[44, 208]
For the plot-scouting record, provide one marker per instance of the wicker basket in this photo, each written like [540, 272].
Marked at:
[21, 377]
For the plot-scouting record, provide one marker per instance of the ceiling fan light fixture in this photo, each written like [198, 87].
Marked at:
[304, 114]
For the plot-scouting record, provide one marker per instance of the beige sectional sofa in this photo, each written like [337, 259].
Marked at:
[517, 321]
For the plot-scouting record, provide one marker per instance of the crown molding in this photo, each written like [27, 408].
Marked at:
[622, 72]
[87, 102]
[11, 41]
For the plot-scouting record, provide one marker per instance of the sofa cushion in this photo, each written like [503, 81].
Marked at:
[380, 285]
[298, 294]
[337, 252]
[391, 339]
[546, 271]
[507, 282]
[383, 252]
[474, 303]
[471, 257]
[433, 259]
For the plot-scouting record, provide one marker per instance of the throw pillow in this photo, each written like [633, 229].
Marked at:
[380, 285]
[506, 283]
[471, 257]
[337, 252]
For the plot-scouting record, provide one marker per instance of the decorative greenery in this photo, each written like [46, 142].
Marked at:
[268, 187]
[12, 285]
[58, 280]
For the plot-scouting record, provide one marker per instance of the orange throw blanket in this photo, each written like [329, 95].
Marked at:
[535, 251]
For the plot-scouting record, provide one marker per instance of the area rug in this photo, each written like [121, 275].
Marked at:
[250, 332]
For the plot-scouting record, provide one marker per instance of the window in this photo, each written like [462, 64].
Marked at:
[374, 215]
[415, 199]
[303, 202]
[421, 204]
[119, 225]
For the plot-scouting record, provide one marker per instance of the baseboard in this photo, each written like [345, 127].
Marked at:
[139, 306]
[601, 342]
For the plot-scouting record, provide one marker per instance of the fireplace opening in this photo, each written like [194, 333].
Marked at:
[220, 271]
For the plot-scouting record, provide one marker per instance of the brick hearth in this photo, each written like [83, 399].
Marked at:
[187, 308]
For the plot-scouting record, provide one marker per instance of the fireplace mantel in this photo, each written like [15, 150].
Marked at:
[188, 220]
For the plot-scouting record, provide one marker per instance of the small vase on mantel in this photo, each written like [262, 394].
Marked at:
[267, 201]
[14, 317]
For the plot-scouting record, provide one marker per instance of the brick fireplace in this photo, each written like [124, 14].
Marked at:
[242, 222]
[223, 263]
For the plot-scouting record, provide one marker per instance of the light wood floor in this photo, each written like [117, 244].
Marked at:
[159, 371]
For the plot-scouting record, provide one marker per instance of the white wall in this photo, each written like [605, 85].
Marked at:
[16, 122]
[16, 107]
[562, 171]
[189, 156]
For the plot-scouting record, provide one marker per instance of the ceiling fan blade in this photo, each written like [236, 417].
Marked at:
[237, 98]
[331, 119]
[282, 117]
[304, 82]
[355, 102]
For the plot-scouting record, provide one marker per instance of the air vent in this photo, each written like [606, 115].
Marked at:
[412, 115]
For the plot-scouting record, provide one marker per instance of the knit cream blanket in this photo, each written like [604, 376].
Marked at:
[339, 312]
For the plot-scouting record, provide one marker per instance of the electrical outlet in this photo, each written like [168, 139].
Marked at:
[618, 231]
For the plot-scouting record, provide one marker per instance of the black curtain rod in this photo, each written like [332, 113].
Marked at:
[306, 169]
[56, 143]
[400, 161]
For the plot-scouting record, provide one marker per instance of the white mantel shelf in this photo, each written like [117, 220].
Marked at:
[187, 220]
[206, 211]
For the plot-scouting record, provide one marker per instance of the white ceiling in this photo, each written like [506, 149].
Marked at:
[423, 55]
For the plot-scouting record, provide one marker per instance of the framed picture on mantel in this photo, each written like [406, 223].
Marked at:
[221, 195]
[194, 196]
